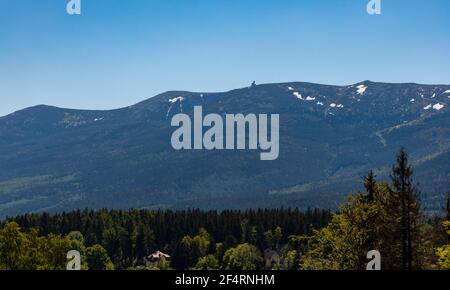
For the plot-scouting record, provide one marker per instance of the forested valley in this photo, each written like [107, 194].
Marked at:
[387, 217]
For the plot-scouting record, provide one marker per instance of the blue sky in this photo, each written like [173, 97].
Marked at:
[120, 52]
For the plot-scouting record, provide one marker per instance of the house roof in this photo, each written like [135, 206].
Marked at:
[158, 255]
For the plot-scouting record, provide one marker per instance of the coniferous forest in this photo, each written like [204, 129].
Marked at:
[387, 217]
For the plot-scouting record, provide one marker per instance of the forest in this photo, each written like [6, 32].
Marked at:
[387, 217]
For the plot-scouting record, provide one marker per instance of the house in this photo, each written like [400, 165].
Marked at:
[156, 257]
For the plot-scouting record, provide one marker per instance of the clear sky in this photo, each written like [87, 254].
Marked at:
[119, 52]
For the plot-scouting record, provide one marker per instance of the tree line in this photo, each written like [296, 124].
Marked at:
[130, 236]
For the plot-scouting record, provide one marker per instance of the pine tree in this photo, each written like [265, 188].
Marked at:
[369, 185]
[369, 199]
[406, 207]
[183, 256]
[448, 205]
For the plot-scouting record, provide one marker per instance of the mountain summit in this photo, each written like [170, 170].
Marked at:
[56, 159]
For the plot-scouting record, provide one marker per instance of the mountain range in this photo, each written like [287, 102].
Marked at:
[55, 159]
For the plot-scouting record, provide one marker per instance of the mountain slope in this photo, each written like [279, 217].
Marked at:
[56, 159]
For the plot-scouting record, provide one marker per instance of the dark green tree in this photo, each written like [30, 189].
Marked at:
[404, 208]
[98, 259]
[182, 258]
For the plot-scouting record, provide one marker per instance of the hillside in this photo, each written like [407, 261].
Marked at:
[56, 159]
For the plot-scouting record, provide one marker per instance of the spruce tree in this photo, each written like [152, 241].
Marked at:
[448, 205]
[369, 200]
[370, 184]
[406, 206]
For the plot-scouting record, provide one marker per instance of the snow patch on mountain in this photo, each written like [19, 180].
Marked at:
[361, 89]
[177, 99]
[298, 95]
[334, 105]
[438, 106]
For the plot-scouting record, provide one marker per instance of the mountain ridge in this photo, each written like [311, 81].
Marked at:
[174, 92]
[58, 159]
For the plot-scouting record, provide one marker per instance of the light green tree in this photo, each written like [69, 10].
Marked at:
[277, 235]
[344, 243]
[77, 240]
[34, 257]
[443, 253]
[207, 263]
[12, 246]
[55, 248]
[201, 244]
[243, 257]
